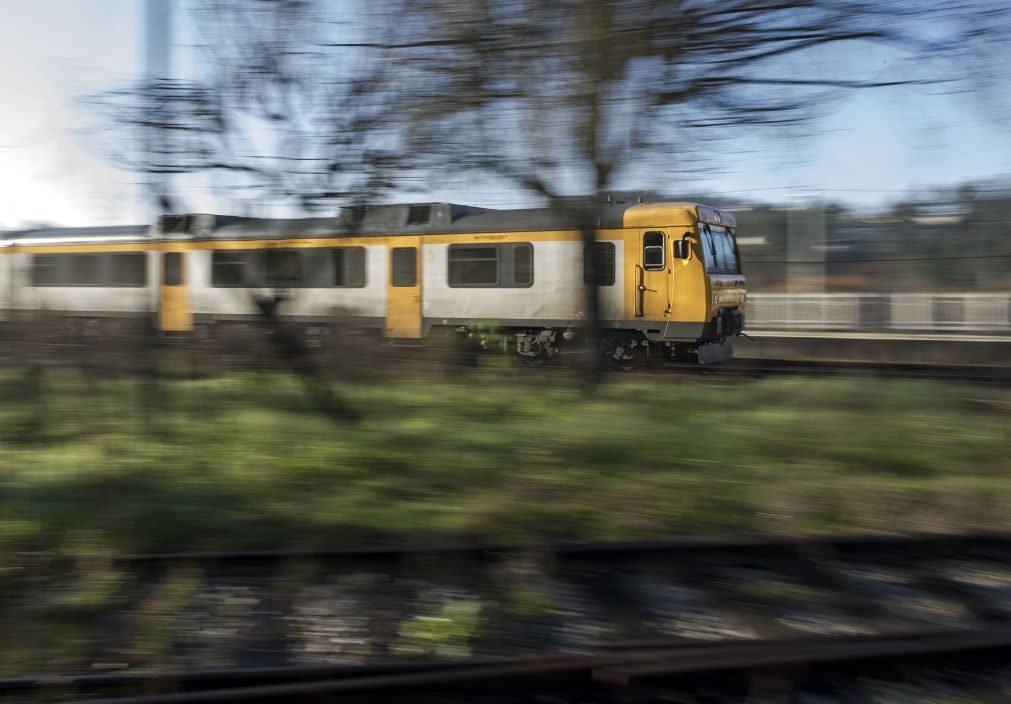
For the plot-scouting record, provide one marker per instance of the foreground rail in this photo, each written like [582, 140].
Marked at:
[607, 675]
[752, 545]
[618, 614]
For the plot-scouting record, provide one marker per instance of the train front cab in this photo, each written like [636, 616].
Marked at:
[687, 292]
[725, 285]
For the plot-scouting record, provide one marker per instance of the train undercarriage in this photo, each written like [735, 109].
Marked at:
[624, 349]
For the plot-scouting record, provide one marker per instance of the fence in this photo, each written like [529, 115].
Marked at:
[934, 312]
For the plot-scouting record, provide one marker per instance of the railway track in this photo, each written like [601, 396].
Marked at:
[207, 362]
[616, 675]
[593, 617]
[750, 546]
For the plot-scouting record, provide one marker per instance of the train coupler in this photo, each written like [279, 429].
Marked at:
[714, 352]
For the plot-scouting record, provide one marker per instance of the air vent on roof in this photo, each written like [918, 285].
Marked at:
[419, 214]
[358, 213]
[174, 223]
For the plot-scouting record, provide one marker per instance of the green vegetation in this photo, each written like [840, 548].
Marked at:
[244, 461]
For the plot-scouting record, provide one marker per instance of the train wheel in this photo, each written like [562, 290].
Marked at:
[627, 353]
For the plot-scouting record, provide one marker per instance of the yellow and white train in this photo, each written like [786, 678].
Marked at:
[668, 274]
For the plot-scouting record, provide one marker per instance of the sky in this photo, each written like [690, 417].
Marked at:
[52, 52]
[874, 146]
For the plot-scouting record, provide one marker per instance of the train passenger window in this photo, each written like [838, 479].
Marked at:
[84, 270]
[523, 264]
[127, 269]
[485, 265]
[603, 264]
[348, 267]
[653, 258]
[48, 269]
[317, 271]
[473, 265]
[172, 269]
[229, 267]
[114, 269]
[282, 267]
[404, 262]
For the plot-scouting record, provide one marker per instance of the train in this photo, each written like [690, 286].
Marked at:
[668, 275]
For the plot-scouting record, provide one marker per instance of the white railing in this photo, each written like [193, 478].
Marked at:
[936, 312]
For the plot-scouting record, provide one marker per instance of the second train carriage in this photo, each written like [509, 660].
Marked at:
[90, 273]
[668, 274]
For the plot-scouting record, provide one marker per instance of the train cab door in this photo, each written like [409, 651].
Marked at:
[652, 275]
[174, 313]
[403, 293]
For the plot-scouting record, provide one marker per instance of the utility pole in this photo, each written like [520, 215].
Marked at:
[805, 246]
[157, 70]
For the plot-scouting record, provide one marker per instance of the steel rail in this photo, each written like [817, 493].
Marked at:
[717, 545]
[220, 677]
[812, 652]
[611, 669]
[810, 550]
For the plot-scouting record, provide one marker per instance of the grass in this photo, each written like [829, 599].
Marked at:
[243, 461]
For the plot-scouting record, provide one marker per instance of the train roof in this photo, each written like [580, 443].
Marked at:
[437, 218]
[74, 235]
[377, 220]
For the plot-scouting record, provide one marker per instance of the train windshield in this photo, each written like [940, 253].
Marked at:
[719, 250]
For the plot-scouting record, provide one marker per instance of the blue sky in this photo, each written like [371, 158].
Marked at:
[874, 146]
[53, 51]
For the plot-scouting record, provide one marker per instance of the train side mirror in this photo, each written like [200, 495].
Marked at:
[682, 249]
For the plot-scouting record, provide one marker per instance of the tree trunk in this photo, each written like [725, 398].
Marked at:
[594, 362]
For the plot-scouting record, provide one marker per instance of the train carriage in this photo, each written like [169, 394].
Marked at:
[88, 274]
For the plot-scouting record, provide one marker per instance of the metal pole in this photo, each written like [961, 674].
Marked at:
[157, 69]
[805, 247]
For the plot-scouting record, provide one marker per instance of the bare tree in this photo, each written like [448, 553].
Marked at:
[273, 115]
[275, 119]
[579, 96]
